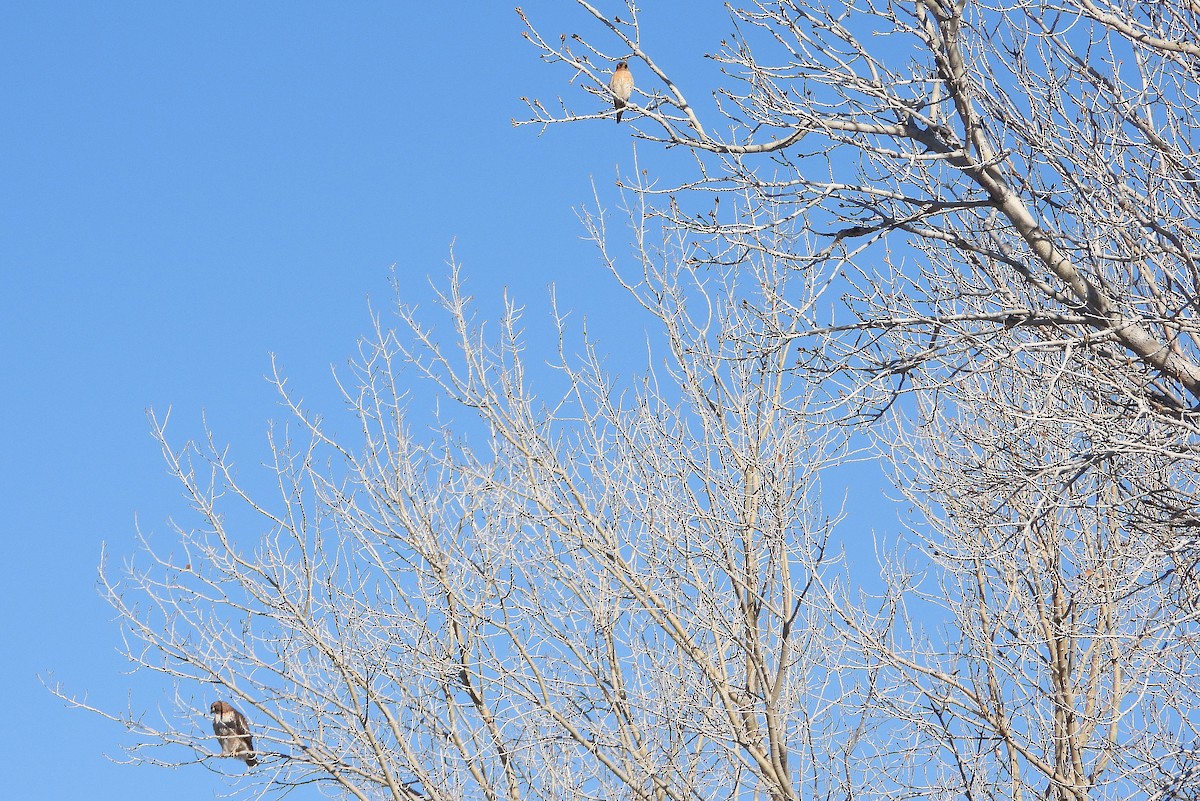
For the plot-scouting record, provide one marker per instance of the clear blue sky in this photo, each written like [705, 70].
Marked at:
[187, 188]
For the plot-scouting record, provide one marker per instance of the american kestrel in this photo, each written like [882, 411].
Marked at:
[621, 87]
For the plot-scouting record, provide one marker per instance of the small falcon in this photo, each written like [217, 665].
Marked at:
[233, 732]
[621, 87]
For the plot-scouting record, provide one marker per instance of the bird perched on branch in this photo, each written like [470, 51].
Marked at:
[621, 87]
[233, 733]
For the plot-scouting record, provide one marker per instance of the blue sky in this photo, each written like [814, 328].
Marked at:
[186, 189]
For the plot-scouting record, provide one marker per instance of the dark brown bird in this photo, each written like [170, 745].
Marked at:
[621, 86]
[233, 733]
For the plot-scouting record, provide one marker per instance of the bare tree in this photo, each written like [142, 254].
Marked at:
[1006, 198]
[1028, 639]
[1041, 154]
[972, 227]
[1024, 172]
[607, 591]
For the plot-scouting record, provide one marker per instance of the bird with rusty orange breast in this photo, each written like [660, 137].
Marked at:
[621, 87]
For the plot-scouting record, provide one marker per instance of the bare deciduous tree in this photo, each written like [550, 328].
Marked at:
[1040, 156]
[970, 228]
[609, 593]
[1023, 173]
[1059, 668]
[1006, 196]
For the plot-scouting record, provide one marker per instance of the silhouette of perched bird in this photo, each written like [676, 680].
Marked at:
[621, 87]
